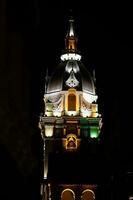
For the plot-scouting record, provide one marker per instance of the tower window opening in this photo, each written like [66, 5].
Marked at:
[88, 195]
[68, 194]
[71, 102]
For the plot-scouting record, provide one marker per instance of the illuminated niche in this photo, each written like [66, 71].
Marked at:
[71, 142]
[72, 103]
[71, 44]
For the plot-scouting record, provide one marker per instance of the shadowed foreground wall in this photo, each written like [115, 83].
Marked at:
[20, 140]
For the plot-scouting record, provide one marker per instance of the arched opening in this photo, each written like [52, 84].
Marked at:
[67, 194]
[71, 142]
[71, 102]
[71, 44]
[88, 195]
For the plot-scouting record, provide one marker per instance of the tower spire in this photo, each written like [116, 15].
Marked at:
[71, 39]
[71, 30]
[71, 50]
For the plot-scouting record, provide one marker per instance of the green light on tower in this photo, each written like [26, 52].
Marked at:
[94, 132]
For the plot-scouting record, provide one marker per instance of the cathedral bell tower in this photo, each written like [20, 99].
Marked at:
[70, 127]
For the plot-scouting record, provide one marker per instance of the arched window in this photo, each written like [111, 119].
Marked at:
[71, 44]
[88, 195]
[67, 194]
[71, 102]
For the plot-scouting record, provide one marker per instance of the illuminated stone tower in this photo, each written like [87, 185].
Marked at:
[70, 127]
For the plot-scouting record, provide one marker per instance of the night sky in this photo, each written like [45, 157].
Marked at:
[32, 39]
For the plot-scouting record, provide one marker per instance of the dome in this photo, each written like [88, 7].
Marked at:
[70, 73]
[76, 73]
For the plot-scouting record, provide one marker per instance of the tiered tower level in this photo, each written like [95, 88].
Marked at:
[71, 119]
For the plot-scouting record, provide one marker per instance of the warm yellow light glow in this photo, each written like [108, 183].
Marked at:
[71, 44]
[88, 194]
[67, 193]
[78, 131]
[64, 131]
[49, 130]
[72, 121]
[71, 141]
[95, 115]
[72, 112]
[94, 107]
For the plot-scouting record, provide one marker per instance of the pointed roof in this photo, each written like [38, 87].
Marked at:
[71, 38]
[71, 29]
